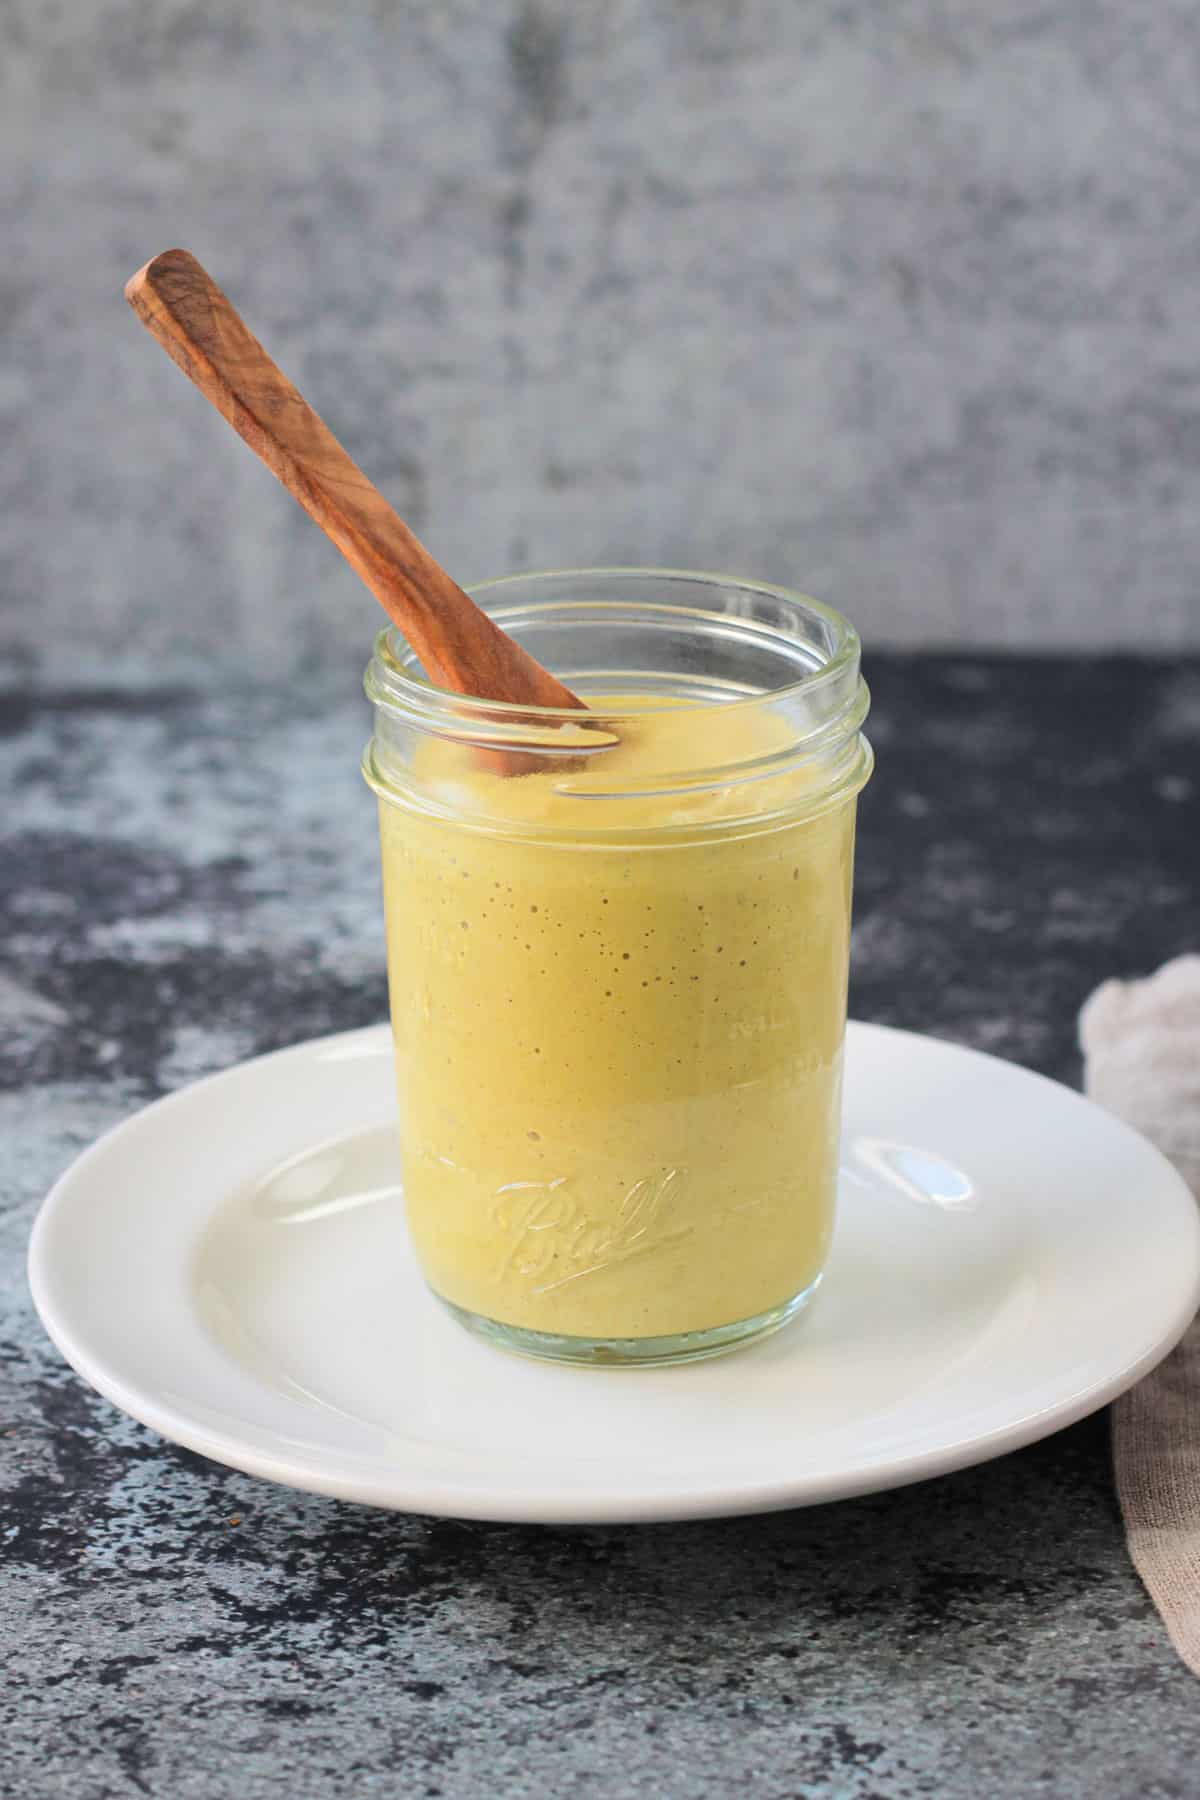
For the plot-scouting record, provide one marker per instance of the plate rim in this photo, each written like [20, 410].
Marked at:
[420, 1494]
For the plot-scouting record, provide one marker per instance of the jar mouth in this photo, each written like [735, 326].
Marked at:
[822, 658]
[652, 653]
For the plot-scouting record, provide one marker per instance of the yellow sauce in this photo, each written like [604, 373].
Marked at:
[619, 1063]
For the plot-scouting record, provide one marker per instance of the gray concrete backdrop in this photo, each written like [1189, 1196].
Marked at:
[897, 303]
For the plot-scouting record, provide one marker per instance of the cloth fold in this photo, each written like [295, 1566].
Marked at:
[1141, 1045]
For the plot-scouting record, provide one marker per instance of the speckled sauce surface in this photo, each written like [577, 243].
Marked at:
[191, 877]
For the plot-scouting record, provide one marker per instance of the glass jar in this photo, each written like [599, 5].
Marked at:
[617, 955]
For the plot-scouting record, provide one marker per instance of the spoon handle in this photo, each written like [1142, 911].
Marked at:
[459, 646]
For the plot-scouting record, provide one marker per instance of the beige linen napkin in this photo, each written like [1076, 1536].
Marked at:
[1141, 1044]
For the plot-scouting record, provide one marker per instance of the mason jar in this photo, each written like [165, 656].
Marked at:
[617, 954]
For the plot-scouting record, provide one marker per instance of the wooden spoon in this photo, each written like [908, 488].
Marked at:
[457, 643]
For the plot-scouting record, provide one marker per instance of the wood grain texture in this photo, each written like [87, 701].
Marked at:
[459, 646]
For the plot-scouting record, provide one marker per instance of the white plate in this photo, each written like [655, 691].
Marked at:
[230, 1266]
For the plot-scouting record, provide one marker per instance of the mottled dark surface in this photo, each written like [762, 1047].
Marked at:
[188, 879]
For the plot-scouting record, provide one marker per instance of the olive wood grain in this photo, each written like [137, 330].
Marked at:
[459, 646]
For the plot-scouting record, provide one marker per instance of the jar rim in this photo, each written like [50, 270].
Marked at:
[390, 681]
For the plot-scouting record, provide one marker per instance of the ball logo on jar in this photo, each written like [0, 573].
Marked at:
[551, 1240]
